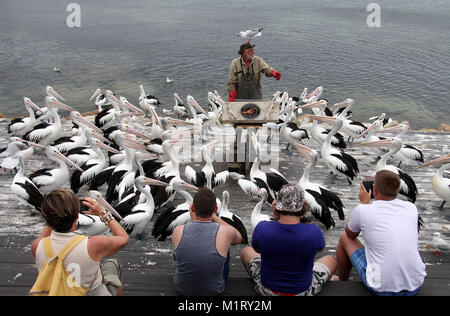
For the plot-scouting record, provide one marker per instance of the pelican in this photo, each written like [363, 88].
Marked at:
[319, 133]
[90, 225]
[230, 218]
[179, 108]
[100, 100]
[45, 133]
[408, 186]
[174, 216]
[47, 179]
[257, 216]
[24, 189]
[140, 214]
[10, 155]
[369, 133]
[207, 177]
[147, 101]
[44, 114]
[319, 199]
[408, 154]
[20, 126]
[337, 161]
[439, 183]
[92, 167]
[351, 128]
[270, 181]
[290, 132]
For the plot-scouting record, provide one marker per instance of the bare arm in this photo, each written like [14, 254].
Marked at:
[350, 234]
[235, 235]
[100, 247]
[45, 233]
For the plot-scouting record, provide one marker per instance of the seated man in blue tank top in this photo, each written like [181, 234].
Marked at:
[281, 261]
[201, 249]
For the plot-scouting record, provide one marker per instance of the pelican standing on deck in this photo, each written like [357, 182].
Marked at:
[20, 126]
[319, 199]
[230, 218]
[439, 183]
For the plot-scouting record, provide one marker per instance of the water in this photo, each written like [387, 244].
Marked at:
[401, 68]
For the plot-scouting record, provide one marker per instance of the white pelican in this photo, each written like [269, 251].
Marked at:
[10, 155]
[351, 128]
[439, 183]
[270, 181]
[207, 177]
[48, 179]
[318, 132]
[24, 189]
[147, 101]
[369, 133]
[135, 221]
[44, 114]
[232, 219]
[408, 187]
[92, 167]
[174, 216]
[257, 216]
[20, 126]
[100, 100]
[337, 161]
[179, 108]
[290, 132]
[408, 154]
[319, 199]
[45, 133]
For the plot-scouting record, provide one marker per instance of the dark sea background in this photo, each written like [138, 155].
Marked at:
[401, 68]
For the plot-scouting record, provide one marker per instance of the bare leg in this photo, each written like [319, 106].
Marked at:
[247, 254]
[345, 249]
[330, 262]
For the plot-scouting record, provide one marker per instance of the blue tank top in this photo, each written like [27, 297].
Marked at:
[199, 266]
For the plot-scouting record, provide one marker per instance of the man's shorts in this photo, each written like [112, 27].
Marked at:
[359, 262]
[112, 275]
[321, 274]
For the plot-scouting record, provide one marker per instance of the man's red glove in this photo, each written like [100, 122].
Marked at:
[276, 74]
[232, 96]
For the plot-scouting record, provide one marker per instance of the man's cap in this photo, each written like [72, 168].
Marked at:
[290, 198]
[244, 47]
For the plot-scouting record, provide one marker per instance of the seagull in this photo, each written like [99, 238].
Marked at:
[55, 69]
[168, 80]
[250, 34]
[440, 244]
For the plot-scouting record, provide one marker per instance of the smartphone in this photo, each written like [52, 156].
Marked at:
[83, 208]
[368, 185]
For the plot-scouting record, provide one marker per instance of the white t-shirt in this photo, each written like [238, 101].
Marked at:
[391, 239]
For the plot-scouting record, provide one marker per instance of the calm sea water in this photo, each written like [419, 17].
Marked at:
[401, 68]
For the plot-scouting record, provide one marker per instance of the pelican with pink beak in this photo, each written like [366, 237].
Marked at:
[439, 183]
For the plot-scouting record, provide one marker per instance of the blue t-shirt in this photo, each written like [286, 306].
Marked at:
[287, 254]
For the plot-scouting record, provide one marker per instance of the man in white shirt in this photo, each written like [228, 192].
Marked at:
[389, 263]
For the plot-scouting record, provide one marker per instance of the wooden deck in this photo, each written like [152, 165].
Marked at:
[148, 264]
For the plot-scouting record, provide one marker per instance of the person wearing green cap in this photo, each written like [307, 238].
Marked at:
[245, 75]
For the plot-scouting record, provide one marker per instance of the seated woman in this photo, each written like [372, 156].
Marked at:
[281, 259]
[60, 210]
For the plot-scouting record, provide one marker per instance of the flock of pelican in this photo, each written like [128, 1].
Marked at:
[139, 173]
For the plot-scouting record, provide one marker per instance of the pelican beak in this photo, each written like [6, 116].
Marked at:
[67, 160]
[86, 122]
[373, 125]
[344, 103]
[189, 186]
[178, 98]
[304, 93]
[443, 159]
[106, 205]
[112, 98]
[325, 119]
[175, 121]
[134, 108]
[306, 152]
[141, 88]
[379, 143]
[27, 101]
[148, 156]
[56, 94]
[392, 129]
[137, 133]
[128, 142]
[314, 92]
[96, 93]
[102, 138]
[108, 148]
[63, 106]
[151, 181]
[196, 105]
[32, 144]
[286, 109]
[313, 105]
[157, 120]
